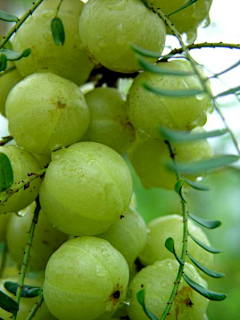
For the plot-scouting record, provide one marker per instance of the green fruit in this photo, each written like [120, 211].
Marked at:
[98, 184]
[85, 278]
[157, 281]
[186, 20]
[3, 224]
[147, 110]
[107, 36]
[172, 227]
[128, 235]
[69, 60]
[8, 80]
[41, 123]
[149, 159]
[22, 163]
[26, 304]
[46, 238]
[109, 123]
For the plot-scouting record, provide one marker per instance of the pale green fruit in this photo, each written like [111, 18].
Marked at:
[69, 60]
[157, 280]
[41, 122]
[42, 159]
[46, 238]
[22, 163]
[149, 158]
[85, 278]
[107, 36]
[109, 122]
[87, 187]
[128, 235]
[8, 80]
[172, 227]
[147, 110]
[3, 224]
[186, 20]
[26, 304]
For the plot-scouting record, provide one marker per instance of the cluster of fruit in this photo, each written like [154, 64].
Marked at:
[89, 233]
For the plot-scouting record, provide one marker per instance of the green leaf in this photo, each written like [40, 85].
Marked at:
[169, 244]
[213, 274]
[7, 303]
[144, 52]
[6, 173]
[141, 300]
[5, 16]
[14, 56]
[230, 91]
[209, 224]
[178, 188]
[204, 246]
[189, 3]
[27, 291]
[199, 167]
[211, 295]
[145, 2]
[3, 62]
[159, 70]
[58, 31]
[172, 93]
[195, 185]
[185, 136]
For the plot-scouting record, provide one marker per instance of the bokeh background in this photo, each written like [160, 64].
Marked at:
[222, 202]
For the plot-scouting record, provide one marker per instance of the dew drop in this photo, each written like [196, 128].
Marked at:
[101, 41]
[191, 36]
[206, 22]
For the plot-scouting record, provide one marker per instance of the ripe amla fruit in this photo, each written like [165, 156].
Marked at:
[150, 157]
[69, 60]
[109, 122]
[84, 279]
[171, 226]
[46, 238]
[107, 36]
[26, 304]
[157, 280]
[23, 163]
[86, 188]
[148, 110]
[46, 112]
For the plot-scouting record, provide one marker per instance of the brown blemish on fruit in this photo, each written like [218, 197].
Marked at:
[183, 297]
[114, 297]
[61, 105]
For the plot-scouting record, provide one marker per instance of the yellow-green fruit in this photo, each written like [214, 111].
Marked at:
[22, 163]
[186, 20]
[87, 187]
[3, 225]
[41, 122]
[69, 60]
[8, 80]
[147, 110]
[149, 159]
[157, 280]
[85, 278]
[128, 235]
[109, 122]
[107, 36]
[46, 238]
[26, 304]
[172, 227]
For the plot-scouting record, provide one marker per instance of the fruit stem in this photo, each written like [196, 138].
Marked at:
[5, 140]
[27, 255]
[36, 306]
[19, 23]
[205, 45]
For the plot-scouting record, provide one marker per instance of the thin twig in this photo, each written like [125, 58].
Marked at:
[5, 140]
[36, 306]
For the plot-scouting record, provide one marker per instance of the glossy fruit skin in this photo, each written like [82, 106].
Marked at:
[157, 281]
[46, 238]
[26, 304]
[41, 123]
[109, 122]
[147, 110]
[149, 159]
[22, 163]
[107, 36]
[70, 60]
[170, 226]
[85, 278]
[128, 235]
[98, 184]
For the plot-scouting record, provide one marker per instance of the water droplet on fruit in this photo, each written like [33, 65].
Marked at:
[199, 97]
[191, 36]
[206, 22]
[142, 134]
[101, 41]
